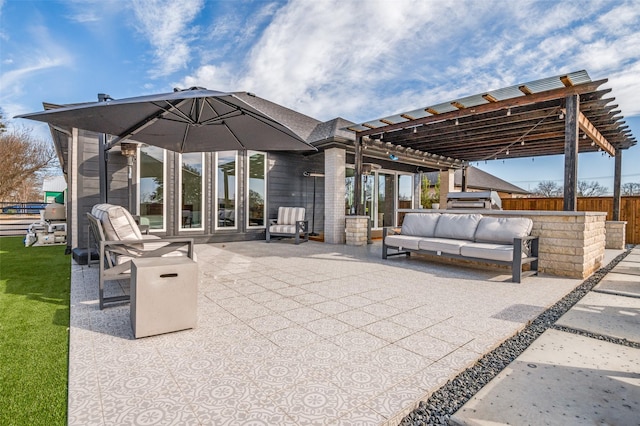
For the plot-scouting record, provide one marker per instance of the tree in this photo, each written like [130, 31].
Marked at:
[631, 188]
[590, 189]
[429, 193]
[548, 188]
[23, 161]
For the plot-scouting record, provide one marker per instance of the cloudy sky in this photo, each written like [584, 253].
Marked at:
[359, 60]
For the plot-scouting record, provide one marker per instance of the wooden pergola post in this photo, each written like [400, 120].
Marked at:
[357, 187]
[617, 175]
[572, 113]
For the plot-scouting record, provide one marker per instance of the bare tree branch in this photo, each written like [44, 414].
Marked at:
[22, 157]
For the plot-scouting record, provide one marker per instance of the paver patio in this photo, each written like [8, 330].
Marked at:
[308, 334]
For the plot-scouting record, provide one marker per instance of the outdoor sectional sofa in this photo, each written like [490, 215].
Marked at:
[498, 240]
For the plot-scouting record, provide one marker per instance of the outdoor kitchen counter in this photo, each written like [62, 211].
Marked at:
[572, 244]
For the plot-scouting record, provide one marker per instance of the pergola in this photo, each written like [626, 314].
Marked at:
[566, 114]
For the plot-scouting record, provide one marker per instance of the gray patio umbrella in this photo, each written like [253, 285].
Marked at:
[191, 120]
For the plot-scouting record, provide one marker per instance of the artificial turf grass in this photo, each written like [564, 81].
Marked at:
[34, 333]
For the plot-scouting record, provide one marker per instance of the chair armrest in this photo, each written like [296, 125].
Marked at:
[390, 230]
[273, 222]
[129, 247]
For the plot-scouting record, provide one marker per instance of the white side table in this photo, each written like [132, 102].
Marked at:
[164, 295]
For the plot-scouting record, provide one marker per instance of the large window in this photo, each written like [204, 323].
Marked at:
[226, 181]
[191, 185]
[256, 188]
[151, 186]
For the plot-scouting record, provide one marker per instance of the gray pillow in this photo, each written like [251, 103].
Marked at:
[420, 224]
[457, 226]
[502, 230]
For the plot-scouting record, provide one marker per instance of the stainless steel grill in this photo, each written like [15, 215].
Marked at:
[488, 200]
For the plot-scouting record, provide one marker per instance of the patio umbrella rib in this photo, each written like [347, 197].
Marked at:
[234, 136]
[141, 125]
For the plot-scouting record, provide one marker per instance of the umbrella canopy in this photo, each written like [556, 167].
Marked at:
[191, 120]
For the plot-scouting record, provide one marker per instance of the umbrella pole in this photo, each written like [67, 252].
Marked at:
[102, 157]
[102, 167]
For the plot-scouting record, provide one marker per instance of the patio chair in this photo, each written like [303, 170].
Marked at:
[290, 223]
[118, 240]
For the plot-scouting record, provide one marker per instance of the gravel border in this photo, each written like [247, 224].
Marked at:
[443, 403]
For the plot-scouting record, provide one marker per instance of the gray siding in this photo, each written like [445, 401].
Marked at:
[288, 187]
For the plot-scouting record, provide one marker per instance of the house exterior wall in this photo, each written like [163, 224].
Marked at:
[286, 186]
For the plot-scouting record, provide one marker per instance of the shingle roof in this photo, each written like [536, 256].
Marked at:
[479, 179]
[302, 125]
[335, 128]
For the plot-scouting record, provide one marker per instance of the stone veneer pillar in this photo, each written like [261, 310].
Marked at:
[356, 230]
[447, 185]
[334, 195]
[616, 234]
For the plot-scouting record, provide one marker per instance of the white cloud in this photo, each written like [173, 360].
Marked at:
[166, 25]
[210, 77]
[363, 60]
[40, 55]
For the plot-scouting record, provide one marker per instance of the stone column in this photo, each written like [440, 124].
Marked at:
[356, 230]
[615, 231]
[334, 195]
[447, 185]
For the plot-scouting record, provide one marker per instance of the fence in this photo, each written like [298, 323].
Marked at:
[629, 209]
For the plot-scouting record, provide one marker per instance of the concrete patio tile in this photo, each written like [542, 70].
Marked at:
[331, 307]
[356, 318]
[449, 333]
[360, 416]
[302, 315]
[427, 346]
[332, 335]
[357, 340]
[282, 305]
[269, 323]
[328, 327]
[622, 284]
[606, 314]
[381, 310]
[294, 336]
[564, 379]
[388, 330]
[313, 403]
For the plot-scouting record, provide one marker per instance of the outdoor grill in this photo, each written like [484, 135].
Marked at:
[488, 200]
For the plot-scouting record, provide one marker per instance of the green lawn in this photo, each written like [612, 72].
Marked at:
[34, 333]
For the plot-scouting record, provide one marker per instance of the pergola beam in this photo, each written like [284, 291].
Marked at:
[590, 130]
[488, 107]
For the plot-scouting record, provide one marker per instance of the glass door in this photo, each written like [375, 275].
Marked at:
[385, 200]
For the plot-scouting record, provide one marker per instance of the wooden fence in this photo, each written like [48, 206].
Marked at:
[629, 209]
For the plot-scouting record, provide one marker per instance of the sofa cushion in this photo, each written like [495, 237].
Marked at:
[502, 230]
[503, 252]
[420, 224]
[457, 226]
[283, 229]
[117, 222]
[290, 215]
[445, 245]
[409, 242]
